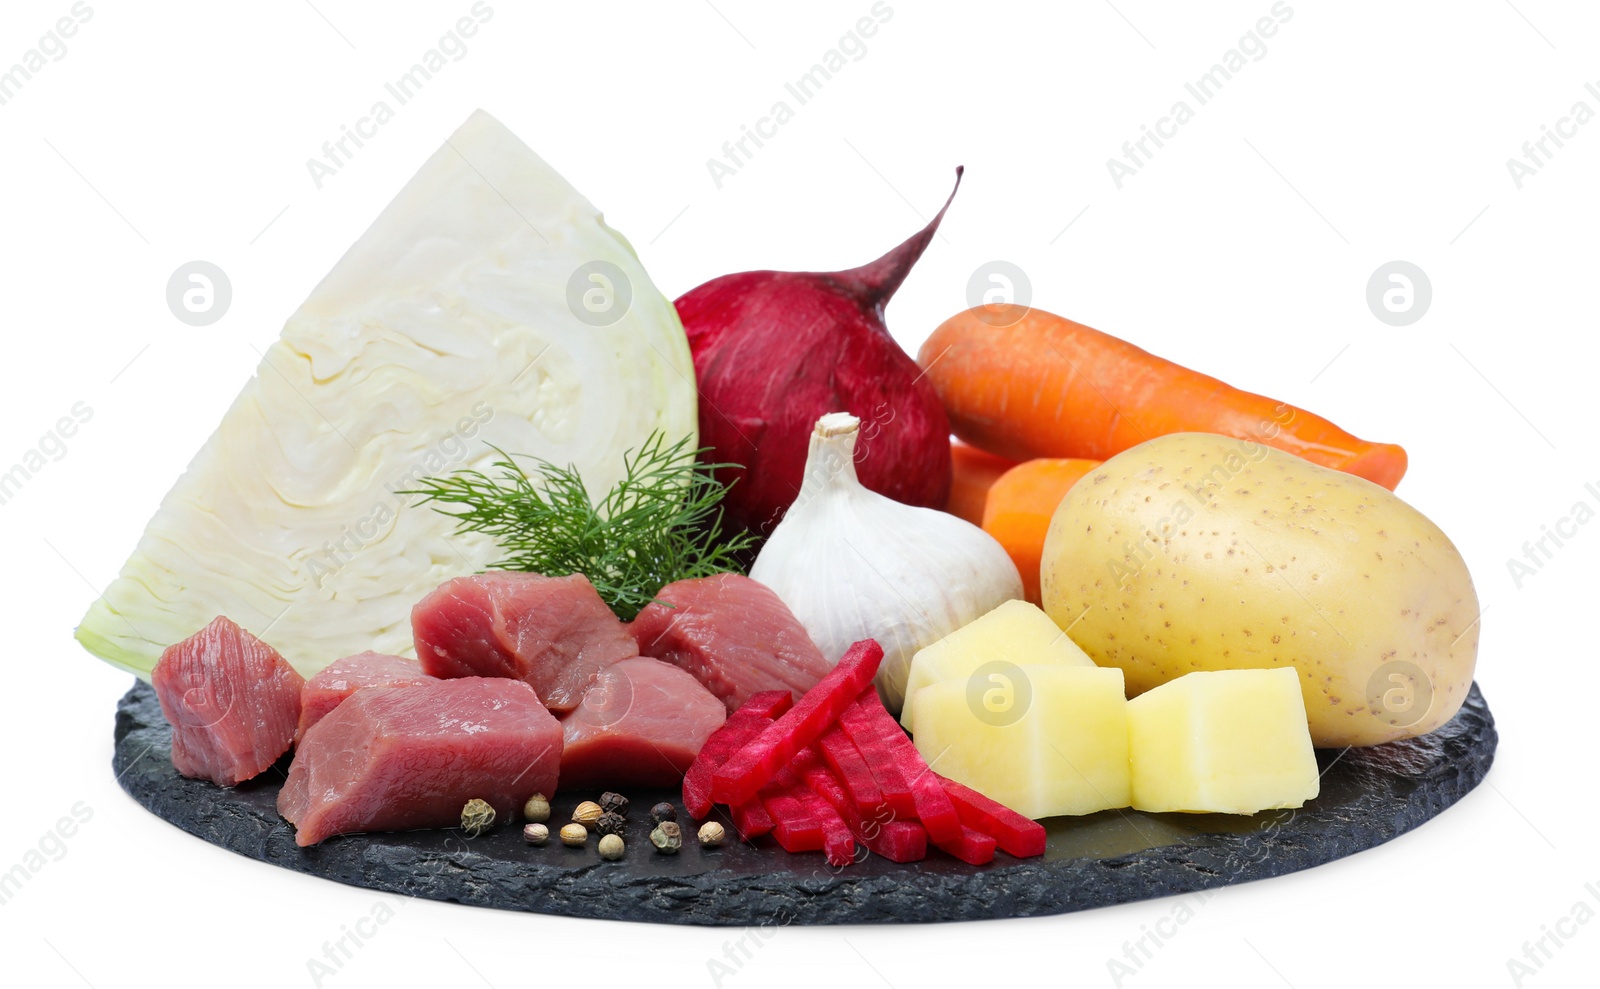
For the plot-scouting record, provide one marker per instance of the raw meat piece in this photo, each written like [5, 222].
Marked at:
[343, 677]
[733, 634]
[232, 701]
[1015, 834]
[749, 769]
[641, 723]
[396, 758]
[553, 632]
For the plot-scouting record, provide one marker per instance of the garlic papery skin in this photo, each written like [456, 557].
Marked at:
[852, 564]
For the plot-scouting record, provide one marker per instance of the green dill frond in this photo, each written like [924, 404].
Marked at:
[662, 522]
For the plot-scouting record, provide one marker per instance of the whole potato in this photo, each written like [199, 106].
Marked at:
[1201, 552]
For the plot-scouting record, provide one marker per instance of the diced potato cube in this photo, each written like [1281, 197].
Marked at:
[1044, 740]
[1226, 741]
[1016, 632]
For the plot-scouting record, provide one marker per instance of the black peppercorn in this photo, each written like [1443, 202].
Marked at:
[663, 812]
[611, 823]
[613, 802]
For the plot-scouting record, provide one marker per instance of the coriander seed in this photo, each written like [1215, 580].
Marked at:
[535, 834]
[611, 847]
[537, 808]
[574, 835]
[587, 812]
[663, 812]
[476, 817]
[712, 834]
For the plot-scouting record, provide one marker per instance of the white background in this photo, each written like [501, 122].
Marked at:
[1367, 132]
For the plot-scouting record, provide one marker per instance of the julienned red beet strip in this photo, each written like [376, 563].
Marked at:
[754, 765]
[852, 770]
[767, 703]
[880, 762]
[739, 729]
[838, 841]
[974, 847]
[897, 841]
[901, 841]
[751, 820]
[1015, 834]
[795, 829]
[867, 717]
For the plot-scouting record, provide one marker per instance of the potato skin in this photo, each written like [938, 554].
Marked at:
[1200, 552]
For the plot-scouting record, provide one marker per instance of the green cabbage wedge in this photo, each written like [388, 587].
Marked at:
[488, 304]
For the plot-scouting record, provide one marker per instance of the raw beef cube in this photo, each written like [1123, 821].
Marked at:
[641, 724]
[343, 677]
[733, 634]
[396, 758]
[232, 701]
[553, 632]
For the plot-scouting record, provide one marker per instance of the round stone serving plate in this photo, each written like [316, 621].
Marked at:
[1368, 797]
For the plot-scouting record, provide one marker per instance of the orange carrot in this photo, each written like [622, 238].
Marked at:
[1024, 383]
[975, 470]
[1020, 506]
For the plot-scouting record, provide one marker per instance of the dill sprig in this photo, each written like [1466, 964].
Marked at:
[660, 523]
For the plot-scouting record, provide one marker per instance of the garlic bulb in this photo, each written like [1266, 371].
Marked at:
[852, 564]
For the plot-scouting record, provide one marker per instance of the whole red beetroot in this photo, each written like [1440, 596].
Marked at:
[774, 350]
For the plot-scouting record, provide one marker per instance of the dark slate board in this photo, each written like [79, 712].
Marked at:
[1368, 797]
